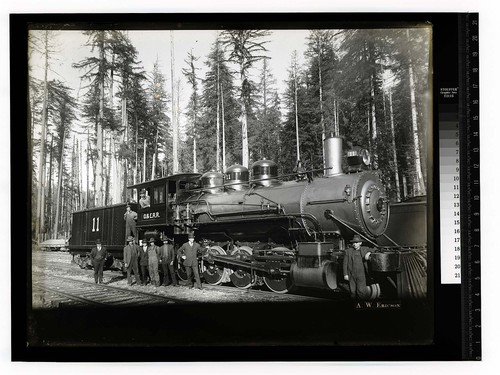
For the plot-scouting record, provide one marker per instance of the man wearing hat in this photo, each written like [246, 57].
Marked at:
[130, 260]
[130, 218]
[145, 200]
[98, 256]
[355, 268]
[153, 251]
[167, 262]
[189, 252]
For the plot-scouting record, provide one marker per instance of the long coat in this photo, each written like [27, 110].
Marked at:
[129, 254]
[167, 253]
[349, 267]
[98, 254]
[191, 253]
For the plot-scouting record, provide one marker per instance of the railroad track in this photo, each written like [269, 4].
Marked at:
[45, 261]
[65, 291]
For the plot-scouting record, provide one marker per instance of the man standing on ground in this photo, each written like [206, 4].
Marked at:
[167, 263]
[153, 251]
[130, 260]
[354, 268]
[189, 252]
[143, 261]
[98, 256]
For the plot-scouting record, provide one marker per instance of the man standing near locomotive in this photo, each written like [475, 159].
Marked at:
[153, 251]
[355, 268]
[130, 218]
[98, 256]
[167, 263]
[143, 262]
[189, 252]
[130, 259]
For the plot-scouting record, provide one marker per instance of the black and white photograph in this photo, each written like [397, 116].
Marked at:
[240, 186]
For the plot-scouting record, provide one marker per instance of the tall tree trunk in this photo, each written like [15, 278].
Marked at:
[322, 118]
[174, 117]
[155, 154]
[177, 111]
[217, 141]
[40, 211]
[99, 191]
[48, 206]
[420, 185]
[144, 162]
[394, 151]
[223, 127]
[59, 184]
[244, 124]
[136, 144]
[88, 169]
[374, 119]
[296, 105]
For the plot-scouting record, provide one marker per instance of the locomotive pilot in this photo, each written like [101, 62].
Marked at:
[167, 262]
[189, 252]
[355, 268]
[130, 218]
[98, 256]
[130, 260]
[153, 251]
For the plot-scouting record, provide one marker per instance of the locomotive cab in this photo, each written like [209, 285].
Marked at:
[162, 196]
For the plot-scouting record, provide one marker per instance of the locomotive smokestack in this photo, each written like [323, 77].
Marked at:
[333, 156]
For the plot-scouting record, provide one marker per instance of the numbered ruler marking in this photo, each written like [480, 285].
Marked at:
[449, 187]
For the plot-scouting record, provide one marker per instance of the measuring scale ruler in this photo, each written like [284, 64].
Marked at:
[459, 186]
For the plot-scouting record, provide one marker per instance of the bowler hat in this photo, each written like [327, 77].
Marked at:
[98, 241]
[151, 240]
[166, 239]
[356, 238]
[130, 238]
[191, 235]
[143, 191]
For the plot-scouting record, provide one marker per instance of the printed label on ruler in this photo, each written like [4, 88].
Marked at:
[449, 187]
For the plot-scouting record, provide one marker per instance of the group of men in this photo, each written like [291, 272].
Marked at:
[148, 258]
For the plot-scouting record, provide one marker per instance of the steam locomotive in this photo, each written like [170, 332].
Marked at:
[259, 228]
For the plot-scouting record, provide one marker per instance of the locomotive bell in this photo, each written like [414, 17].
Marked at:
[266, 171]
[237, 177]
[333, 156]
[212, 182]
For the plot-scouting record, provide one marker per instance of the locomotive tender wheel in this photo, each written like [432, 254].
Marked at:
[240, 277]
[214, 274]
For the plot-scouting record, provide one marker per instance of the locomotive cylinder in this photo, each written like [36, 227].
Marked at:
[333, 156]
[314, 267]
[322, 277]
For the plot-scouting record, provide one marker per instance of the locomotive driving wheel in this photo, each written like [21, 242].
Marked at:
[241, 277]
[280, 282]
[213, 273]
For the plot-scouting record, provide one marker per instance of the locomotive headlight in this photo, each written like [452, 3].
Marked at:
[366, 157]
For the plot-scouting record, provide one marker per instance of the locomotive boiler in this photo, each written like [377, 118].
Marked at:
[258, 228]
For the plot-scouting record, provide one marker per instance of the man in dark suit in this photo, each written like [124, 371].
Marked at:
[355, 268]
[130, 260]
[98, 256]
[143, 261]
[167, 263]
[189, 253]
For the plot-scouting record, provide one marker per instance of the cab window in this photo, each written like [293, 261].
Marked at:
[158, 195]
